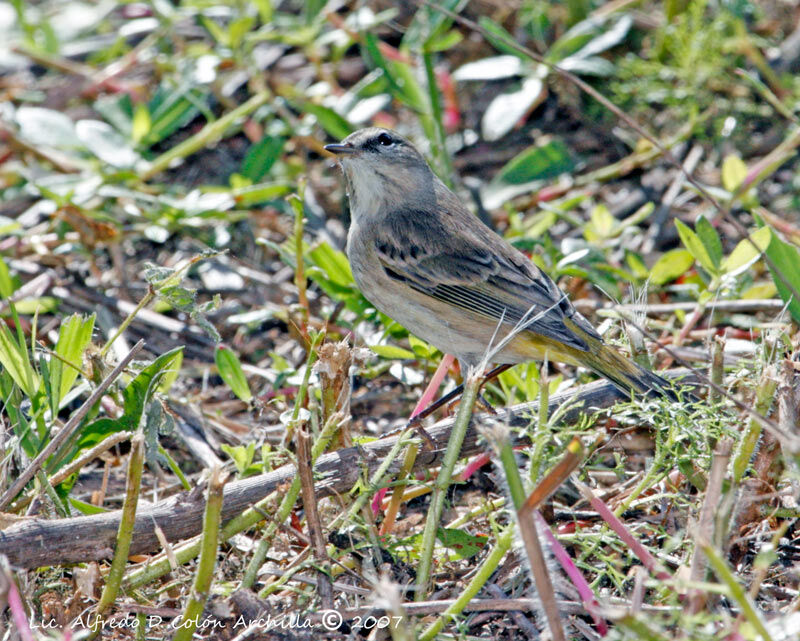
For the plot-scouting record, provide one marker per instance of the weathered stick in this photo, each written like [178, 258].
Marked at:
[38, 542]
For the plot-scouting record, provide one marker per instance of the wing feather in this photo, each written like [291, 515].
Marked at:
[477, 271]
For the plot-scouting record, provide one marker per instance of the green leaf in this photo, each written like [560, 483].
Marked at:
[734, 171]
[262, 192]
[172, 108]
[230, 369]
[14, 359]
[670, 266]
[710, 238]
[392, 352]
[261, 157]
[537, 163]
[87, 509]
[141, 124]
[138, 392]
[693, 243]
[601, 226]
[745, 252]
[499, 38]
[6, 282]
[463, 544]
[421, 348]
[242, 456]
[786, 273]
[329, 120]
[333, 262]
[74, 336]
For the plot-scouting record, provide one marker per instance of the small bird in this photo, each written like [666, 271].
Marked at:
[425, 261]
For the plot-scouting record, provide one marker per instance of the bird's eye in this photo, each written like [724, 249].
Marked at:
[385, 139]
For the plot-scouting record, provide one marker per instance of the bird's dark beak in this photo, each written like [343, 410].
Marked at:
[340, 150]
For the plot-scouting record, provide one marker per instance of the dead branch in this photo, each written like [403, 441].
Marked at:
[39, 542]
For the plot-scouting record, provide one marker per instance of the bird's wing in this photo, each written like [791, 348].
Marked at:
[476, 270]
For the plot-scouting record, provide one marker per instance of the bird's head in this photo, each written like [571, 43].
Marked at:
[381, 167]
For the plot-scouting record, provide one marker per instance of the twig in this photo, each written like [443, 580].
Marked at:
[315, 532]
[68, 430]
[37, 542]
[735, 306]
[705, 525]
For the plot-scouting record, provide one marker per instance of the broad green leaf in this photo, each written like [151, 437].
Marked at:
[670, 266]
[693, 243]
[420, 347]
[786, 273]
[463, 544]
[734, 171]
[499, 37]
[140, 389]
[74, 336]
[230, 369]
[710, 238]
[242, 456]
[760, 290]
[261, 157]
[537, 163]
[262, 192]
[329, 120]
[334, 264]
[745, 252]
[392, 352]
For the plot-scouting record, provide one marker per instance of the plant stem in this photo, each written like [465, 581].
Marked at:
[442, 482]
[483, 574]
[208, 557]
[125, 532]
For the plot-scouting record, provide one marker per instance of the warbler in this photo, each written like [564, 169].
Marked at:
[425, 261]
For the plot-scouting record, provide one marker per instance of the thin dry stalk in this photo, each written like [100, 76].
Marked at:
[315, 531]
[705, 525]
[541, 576]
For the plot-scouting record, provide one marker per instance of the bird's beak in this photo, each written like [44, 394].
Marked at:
[340, 150]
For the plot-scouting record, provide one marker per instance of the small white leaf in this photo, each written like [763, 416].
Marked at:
[489, 69]
[47, 127]
[106, 143]
[506, 109]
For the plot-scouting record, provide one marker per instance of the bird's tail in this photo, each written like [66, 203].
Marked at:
[627, 375]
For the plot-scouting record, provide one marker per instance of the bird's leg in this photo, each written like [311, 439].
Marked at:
[455, 393]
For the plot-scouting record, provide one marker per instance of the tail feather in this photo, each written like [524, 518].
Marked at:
[627, 375]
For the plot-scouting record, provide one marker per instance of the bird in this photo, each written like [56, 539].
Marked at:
[423, 259]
